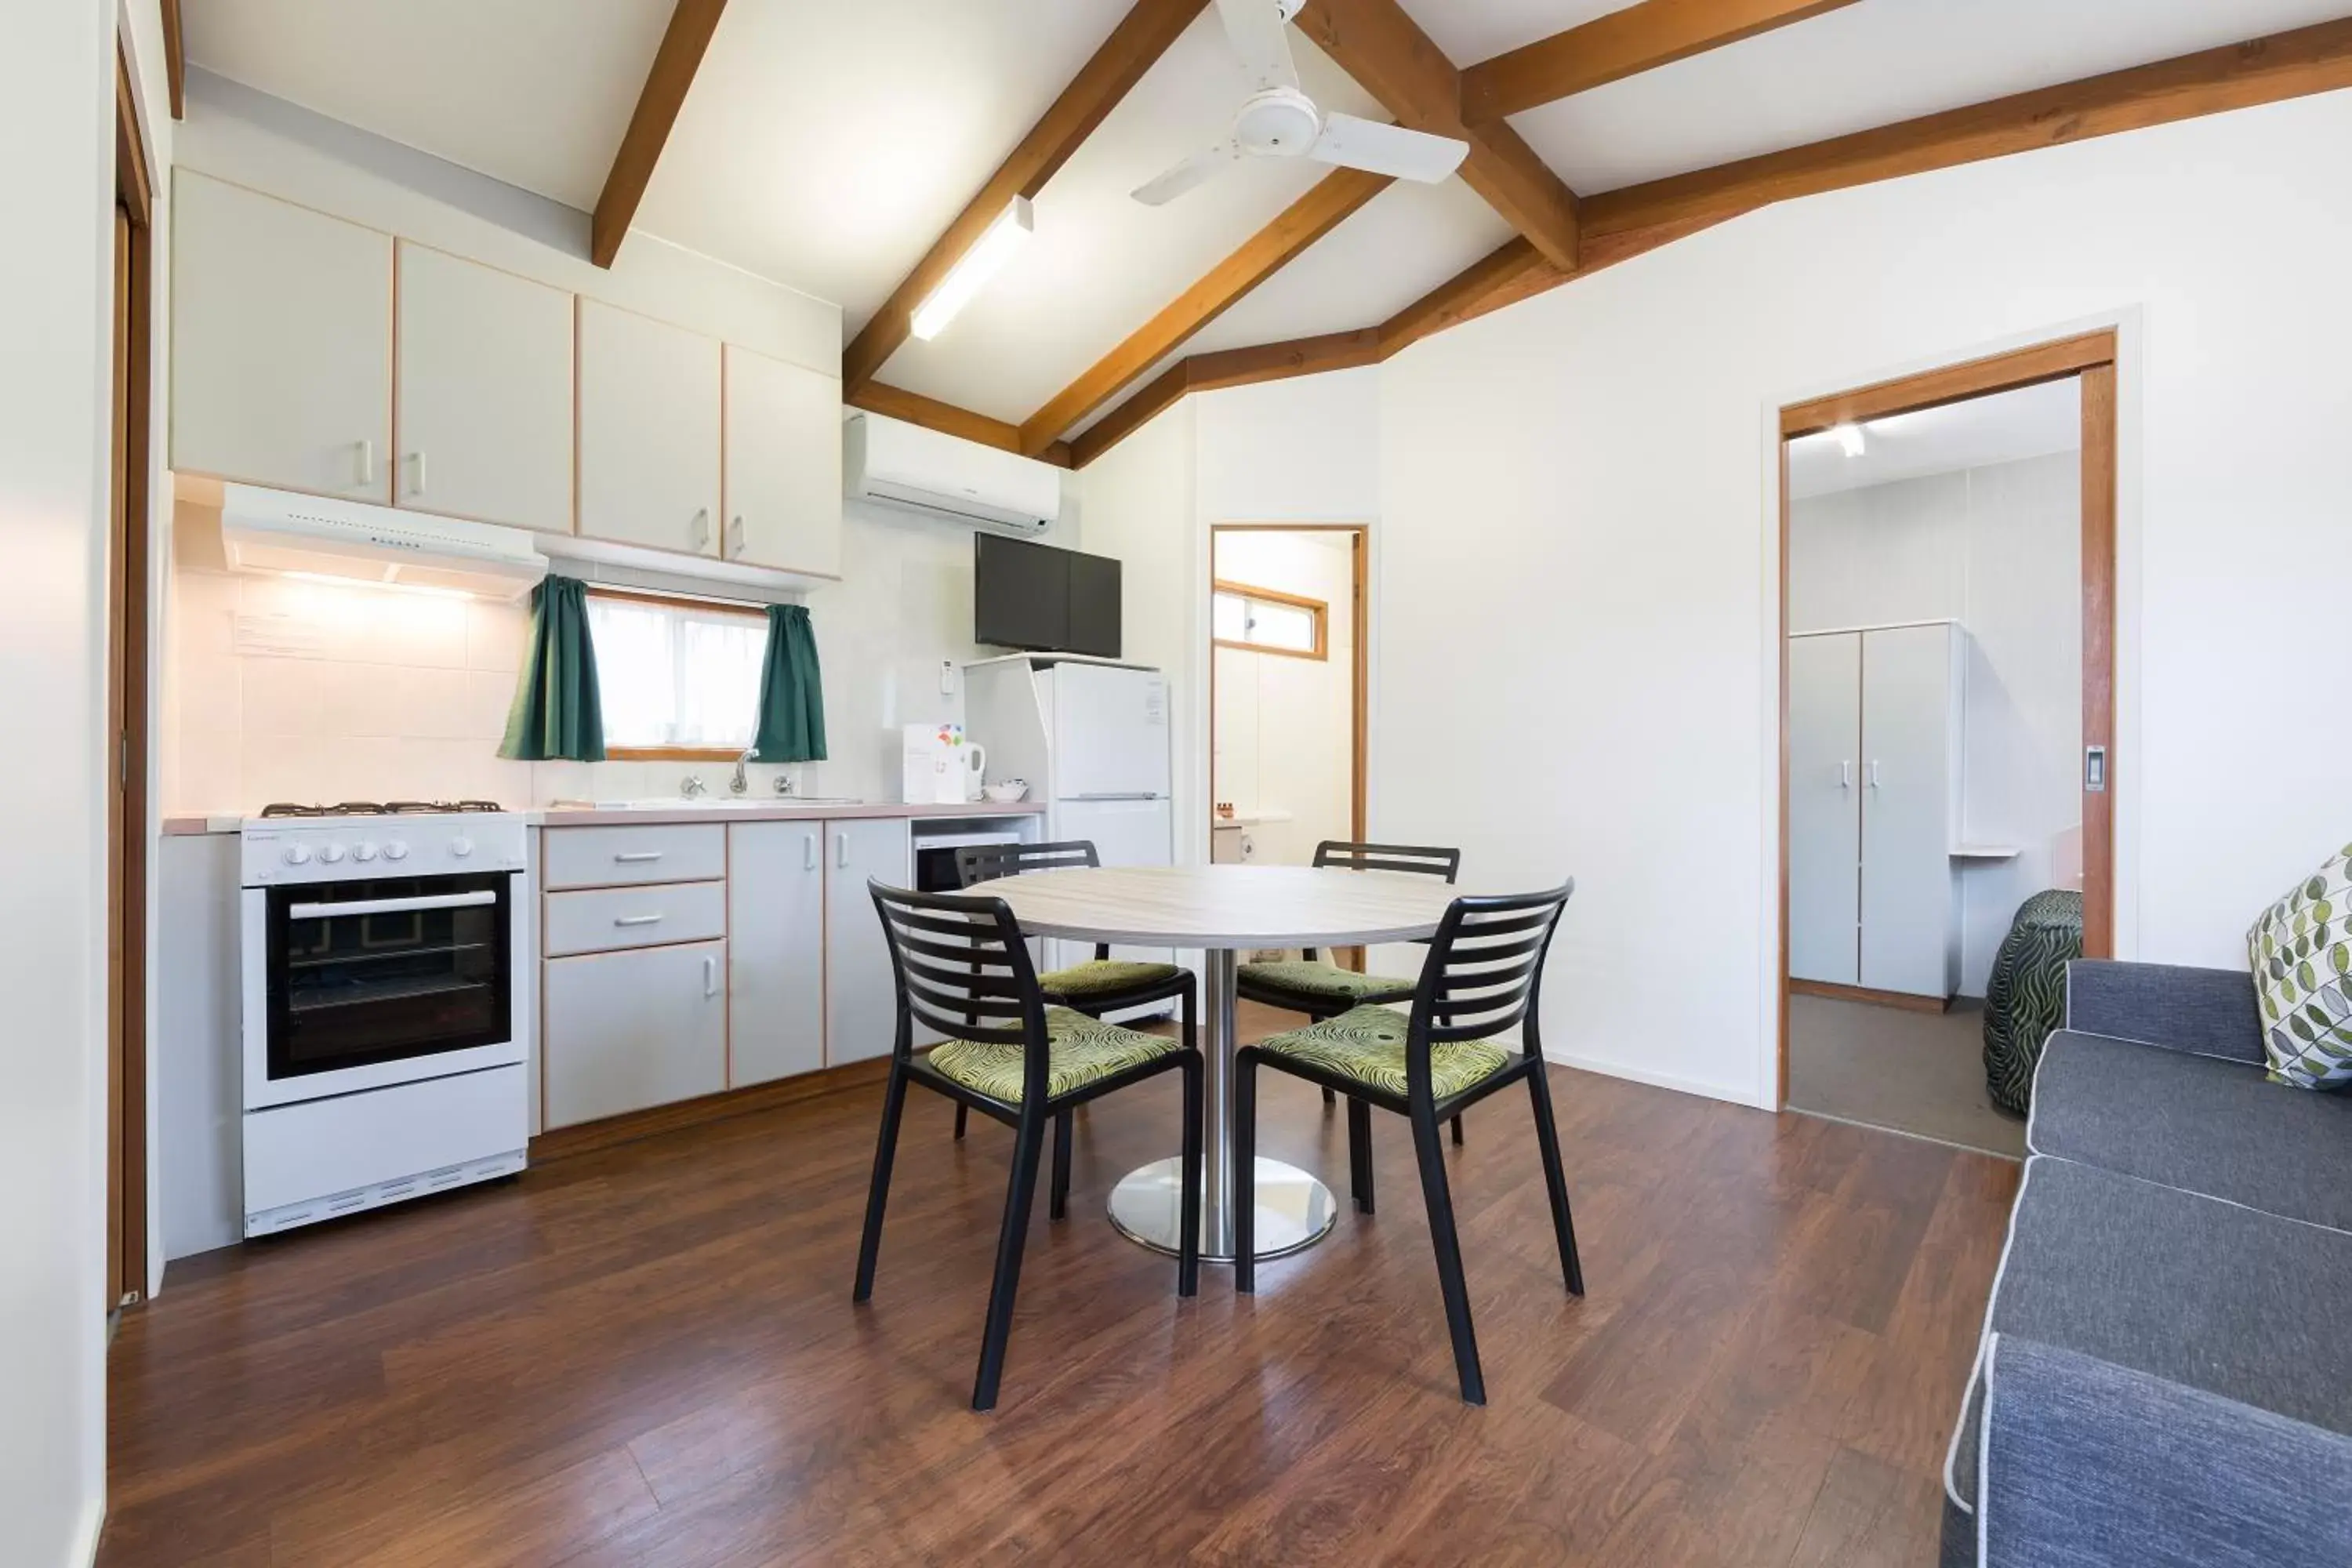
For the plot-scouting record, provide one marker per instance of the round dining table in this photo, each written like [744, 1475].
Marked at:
[1223, 911]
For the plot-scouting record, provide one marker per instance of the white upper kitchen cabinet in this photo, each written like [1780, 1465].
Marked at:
[281, 343]
[783, 465]
[861, 994]
[649, 399]
[485, 393]
[776, 920]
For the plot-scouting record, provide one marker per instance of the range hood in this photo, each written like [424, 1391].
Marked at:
[315, 536]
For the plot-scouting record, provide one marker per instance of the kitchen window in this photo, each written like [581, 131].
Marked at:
[1261, 620]
[679, 677]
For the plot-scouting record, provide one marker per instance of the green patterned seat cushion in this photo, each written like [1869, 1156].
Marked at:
[2301, 951]
[1100, 977]
[1080, 1051]
[1325, 982]
[1366, 1044]
[2025, 996]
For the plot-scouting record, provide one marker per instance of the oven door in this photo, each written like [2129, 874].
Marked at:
[354, 985]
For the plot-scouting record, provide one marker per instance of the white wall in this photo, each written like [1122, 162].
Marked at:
[1577, 504]
[57, 156]
[1997, 549]
[1284, 726]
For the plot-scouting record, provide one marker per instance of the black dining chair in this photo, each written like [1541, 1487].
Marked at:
[1485, 974]
[1096, 986]
[1307, 985]
[962, 969]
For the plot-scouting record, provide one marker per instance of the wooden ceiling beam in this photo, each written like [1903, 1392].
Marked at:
[175, 59]
[2236, 75]
[1387, 54]
[675, 63]
[896, 403]
[1623, 43]
[1309, 218]
[1138, 41]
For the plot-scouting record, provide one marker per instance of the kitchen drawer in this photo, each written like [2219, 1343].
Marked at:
[608, 918]
[623, 856]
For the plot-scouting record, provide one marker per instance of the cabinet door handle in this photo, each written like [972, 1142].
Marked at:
[636, 920]
[709, 976]
[635, 856]
[1845, 774]
[416, 482]
[702, 528]
[808, 852]
[735, 536]
[367, 462]
[1874, 773]
[841, 849]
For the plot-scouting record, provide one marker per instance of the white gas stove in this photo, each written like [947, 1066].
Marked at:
[380, 959]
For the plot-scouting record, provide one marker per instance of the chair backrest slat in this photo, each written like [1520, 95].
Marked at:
[977, 863]
[1420, 859]
[1485, 974]
[963, 969]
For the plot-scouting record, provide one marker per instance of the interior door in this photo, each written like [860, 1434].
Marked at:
[1824, 807]
[1908, 931]
[1110, 732]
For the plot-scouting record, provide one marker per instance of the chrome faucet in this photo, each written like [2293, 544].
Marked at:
[741, 782]
[784, 783]
[693, 786]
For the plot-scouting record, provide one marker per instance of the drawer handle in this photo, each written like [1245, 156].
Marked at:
[638, 856]
[636, 920]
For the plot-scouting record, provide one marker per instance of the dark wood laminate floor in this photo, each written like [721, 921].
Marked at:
[647, 1356]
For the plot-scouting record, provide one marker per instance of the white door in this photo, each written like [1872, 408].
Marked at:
[281, 343]
[1110, 732]
[1824, 807]
[649, 432]
[783, 465]
[623, 1031]
[484, 407]
[775, 926]
[861, 995]
[1906, 814]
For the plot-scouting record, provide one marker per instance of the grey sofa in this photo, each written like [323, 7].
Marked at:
[2165, 1375]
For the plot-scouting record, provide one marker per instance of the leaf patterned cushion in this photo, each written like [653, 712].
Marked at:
[1366, 1044]
[1324, 981]
[2301, 949]
[2025, 996]
[1080, 1051]
[1101, 976]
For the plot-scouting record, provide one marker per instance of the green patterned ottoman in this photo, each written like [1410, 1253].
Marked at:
[2026, 997]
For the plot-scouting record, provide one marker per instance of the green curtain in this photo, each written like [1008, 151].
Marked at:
[792, 698]
[557, 714]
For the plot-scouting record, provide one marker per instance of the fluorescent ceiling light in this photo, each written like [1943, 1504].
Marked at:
[1850, 437]
[969, 276]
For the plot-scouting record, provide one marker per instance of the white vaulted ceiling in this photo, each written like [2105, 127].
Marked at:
[826, 146]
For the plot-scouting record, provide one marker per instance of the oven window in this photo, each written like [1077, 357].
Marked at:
[376, 971]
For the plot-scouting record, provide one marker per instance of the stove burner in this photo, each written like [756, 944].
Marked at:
[382, 808]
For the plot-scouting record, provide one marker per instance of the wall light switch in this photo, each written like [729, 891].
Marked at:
[947, 677]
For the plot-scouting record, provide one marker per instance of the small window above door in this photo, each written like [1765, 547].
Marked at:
[1263, 621]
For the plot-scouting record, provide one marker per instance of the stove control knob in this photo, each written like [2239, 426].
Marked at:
[331, 853]
[362, 851]
[461, 847]
[297, 854]
[395, 851]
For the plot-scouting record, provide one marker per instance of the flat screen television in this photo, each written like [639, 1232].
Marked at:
[1043, 600]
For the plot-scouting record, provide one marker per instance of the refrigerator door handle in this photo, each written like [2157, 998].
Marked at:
[1134, 794]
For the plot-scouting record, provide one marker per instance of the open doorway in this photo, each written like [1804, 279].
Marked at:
[1287, 689]
[1948, 616]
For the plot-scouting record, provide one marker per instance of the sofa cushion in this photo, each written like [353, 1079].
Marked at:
[2184, 1287]
[2214, 1127]
[2301, 952]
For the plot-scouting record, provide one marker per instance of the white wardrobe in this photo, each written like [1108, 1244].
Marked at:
[1874, 753]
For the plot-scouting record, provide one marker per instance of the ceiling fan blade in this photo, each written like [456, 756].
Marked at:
[1262, 38]
[1381, 149]
[1195, 170]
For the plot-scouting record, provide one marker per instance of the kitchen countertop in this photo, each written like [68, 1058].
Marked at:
[780, 809]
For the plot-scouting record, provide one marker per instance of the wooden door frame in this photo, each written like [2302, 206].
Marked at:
[129, 708]
[1359, 676]
[2091, 357]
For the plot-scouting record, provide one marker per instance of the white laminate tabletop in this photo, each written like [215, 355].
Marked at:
[1226, 906]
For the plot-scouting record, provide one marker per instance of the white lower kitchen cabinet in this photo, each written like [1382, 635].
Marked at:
[775, 919]
[861, 995]
[622, 1031]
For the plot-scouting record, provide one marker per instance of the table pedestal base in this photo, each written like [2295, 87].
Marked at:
[1295, 1211]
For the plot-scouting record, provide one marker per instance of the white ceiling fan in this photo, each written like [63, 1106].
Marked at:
[1278, 120]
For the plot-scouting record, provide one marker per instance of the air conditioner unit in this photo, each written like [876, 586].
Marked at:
[315, 536]
[942, 476]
